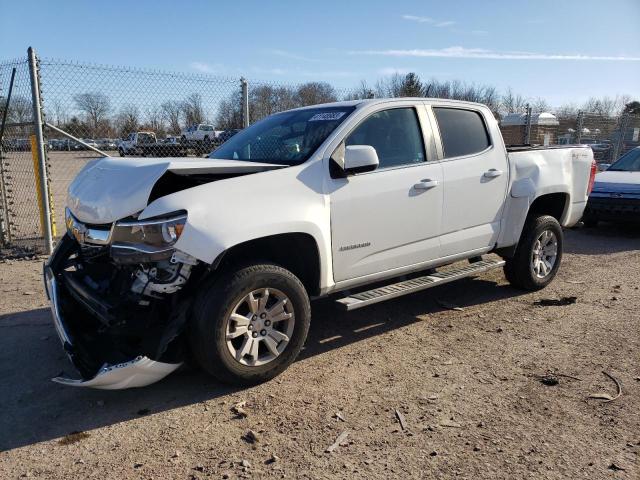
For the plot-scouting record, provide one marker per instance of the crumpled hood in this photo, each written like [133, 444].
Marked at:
[109, 188]
[617, 182]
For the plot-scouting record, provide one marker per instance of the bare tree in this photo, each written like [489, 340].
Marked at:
[390, 86]
[539, 104]
[58, 112]
[362, 92]
[128, 120]
[600, 106]
[20, 109]
[96, 106]
[154, 119]
[313, 93]
[171, 112]
[193, 109]
[229, 114]
[567, 110]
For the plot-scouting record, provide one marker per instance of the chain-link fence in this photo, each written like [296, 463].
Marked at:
[95, 110]
[610, 137]
[20, 220]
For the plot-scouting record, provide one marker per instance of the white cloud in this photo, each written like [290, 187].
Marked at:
[480, 53]
[415, 18]
[429, 20]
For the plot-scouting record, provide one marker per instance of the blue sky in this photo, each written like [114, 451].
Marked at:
[561, 50]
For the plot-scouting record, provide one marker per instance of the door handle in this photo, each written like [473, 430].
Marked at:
[493, 173]
[426, 184]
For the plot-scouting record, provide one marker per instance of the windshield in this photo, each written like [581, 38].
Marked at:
[629, 162]
[287, 138]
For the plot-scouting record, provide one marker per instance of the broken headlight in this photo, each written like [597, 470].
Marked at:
[155, 232]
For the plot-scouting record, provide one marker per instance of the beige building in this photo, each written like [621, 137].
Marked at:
[544, 128]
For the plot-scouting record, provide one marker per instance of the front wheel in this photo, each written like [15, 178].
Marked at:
[121, 152]
[249, 325]
[538, 254]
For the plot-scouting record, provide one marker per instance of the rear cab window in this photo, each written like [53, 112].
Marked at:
[463, 131]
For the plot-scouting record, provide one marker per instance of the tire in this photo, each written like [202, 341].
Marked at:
[520, 270]
[121, 152]
[211, 322]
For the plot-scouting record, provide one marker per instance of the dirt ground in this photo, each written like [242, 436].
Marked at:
[467, 385]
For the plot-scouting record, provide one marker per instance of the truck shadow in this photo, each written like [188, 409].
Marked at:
[34, 409]
[603, 239]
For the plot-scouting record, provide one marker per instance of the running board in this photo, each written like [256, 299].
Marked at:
[380, 294]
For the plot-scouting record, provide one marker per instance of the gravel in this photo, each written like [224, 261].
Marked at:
[467, 385]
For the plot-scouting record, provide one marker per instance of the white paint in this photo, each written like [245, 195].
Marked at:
[465, 213]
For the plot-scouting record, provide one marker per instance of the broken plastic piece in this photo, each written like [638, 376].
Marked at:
[139, 372]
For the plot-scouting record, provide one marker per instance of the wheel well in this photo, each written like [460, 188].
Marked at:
[297, 252]
[553, 204]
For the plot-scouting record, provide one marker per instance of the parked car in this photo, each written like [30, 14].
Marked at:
[616, 192]
[226, 135]
[107, 144]
[218, 258]
[602, 150]
[132, 145]
[200, 133]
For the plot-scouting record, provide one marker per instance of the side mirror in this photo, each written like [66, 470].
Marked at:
[360, 158]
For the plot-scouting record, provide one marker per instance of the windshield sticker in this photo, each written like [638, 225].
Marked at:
[326, 116]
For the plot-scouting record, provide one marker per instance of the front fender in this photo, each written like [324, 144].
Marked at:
[225, 213]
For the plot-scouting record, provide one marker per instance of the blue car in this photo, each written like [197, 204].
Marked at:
[616, 193]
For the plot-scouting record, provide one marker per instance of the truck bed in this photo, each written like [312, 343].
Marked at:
[528, 147]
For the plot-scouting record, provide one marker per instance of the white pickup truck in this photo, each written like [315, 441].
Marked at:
[217, 259]
[200, 132]
[135, 142]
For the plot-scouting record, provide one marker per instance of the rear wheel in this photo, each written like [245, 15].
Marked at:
[538, 254]
[121, 152]
[250, 324]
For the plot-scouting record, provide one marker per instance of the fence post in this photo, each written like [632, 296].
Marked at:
[527, 126]
[43, 184]
[245, 102]
[580, 123]
[620, 141]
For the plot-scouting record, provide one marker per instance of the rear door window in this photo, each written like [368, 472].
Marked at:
[463, 132]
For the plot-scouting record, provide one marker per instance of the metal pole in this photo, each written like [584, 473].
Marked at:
[5, 227]
[580, 126]
[42, 160]
[527, 126]
[621, 132]
[245, 102]
[81, 142]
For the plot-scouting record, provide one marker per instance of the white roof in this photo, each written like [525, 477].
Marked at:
[543, 118]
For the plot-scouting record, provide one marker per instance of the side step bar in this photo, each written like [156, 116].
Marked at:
[380, 294]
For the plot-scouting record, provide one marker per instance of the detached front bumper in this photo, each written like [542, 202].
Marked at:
[139, 371]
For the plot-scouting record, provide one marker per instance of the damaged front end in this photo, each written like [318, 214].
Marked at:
[119, 300]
